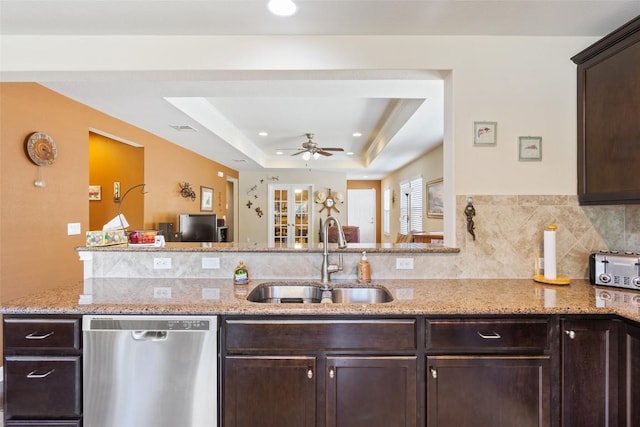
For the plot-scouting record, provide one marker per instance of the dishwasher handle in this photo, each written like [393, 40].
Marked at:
[149, 335]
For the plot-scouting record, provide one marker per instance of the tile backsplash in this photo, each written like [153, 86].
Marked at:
[509, 234]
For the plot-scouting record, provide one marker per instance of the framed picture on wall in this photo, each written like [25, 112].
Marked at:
[435, 203]
[530, 148]
[95, 192]
[206, 199]
[485, 133]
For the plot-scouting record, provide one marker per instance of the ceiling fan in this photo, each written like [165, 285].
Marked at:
[311, 148]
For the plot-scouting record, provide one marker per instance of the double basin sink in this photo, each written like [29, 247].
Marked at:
[312, 293]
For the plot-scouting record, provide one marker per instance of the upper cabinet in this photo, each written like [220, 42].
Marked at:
[609, 118]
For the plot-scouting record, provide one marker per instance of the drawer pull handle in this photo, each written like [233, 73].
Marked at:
[492, 336]
[434, 373]
[37, 336]
[332, 373]
[34, 375]
[570, 334]
[310, 373]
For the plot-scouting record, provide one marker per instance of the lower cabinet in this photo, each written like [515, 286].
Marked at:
[42, 371]
[270, 391]
[371, 391]
[589, 372]
[334, 373]
[630, 378]
[490, 372]
[488, 391]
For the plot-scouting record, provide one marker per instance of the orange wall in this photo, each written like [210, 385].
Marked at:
[112, 161]
[35, 251]
[365, 185]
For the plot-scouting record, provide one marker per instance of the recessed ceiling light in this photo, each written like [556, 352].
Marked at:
[279, 153]
[349, 153]
[263, 133]
[282, 7]
[357, 134]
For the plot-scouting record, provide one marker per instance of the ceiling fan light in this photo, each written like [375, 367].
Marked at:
[316, 156]
[306, 155]
[282, 7]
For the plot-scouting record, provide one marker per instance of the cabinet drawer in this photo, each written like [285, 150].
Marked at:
[488, 335]
[41, 334]
[307, 335]
[42, 387]
[43, 423]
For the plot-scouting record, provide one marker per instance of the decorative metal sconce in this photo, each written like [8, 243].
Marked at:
[186, 191]
[470, 212]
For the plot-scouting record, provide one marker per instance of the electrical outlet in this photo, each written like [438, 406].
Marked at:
[73, 228]
[209, 262]
[162, 263]
[541, 263]
[162, 293]
[211, 293]
[404, 293]
[404, 263]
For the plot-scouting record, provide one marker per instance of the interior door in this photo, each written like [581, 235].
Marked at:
[362, 212]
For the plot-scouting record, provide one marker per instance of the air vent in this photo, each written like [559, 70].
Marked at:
[183, 128]
[240, 160]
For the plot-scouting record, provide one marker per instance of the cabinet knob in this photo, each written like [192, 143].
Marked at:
[571, 334]
[310, 373]
[434, 373]
[332, 373]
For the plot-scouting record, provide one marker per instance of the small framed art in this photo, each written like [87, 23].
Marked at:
[206, 199]
[485, 133]
[530, 148]
[435, 204]
[95, 192]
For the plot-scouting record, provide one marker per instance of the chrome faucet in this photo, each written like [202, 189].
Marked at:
[327, 268]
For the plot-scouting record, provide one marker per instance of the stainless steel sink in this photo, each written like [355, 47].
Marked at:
[286, 293]
[358, 295]
[306, 293]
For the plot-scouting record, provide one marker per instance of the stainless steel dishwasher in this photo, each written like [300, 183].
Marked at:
[150, 371]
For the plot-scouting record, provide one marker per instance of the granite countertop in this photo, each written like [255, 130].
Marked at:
[236, 247]
[411, 297]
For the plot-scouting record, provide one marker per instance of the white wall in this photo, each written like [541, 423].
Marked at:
[429, 167]
[526, 84]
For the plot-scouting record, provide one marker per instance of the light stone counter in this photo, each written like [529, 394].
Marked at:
[451, 297]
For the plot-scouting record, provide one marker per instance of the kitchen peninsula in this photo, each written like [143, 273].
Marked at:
[435, 339]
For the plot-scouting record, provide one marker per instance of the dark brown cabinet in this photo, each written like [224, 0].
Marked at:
[270, 391]
[307, 372]
[630, 378]
[42, 371]
[609, 118]
[371, 391]
[589, 372]
[489, 372]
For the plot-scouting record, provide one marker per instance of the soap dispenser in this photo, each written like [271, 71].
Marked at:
[364, 269]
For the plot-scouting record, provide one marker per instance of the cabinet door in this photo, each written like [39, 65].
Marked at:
[630, 382]
[589, 373]
[269, 391]
[496, 391]
[371, 391]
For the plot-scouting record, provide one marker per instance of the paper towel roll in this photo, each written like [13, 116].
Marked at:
[550, 252]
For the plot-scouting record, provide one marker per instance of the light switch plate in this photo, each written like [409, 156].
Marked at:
[210, 262]
[73, 228]
[404, 263]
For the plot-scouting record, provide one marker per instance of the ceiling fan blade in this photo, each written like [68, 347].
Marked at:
[324, 153]
[332, 149]
[299, 152]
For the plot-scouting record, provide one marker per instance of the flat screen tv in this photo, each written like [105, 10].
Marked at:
[198, 227]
